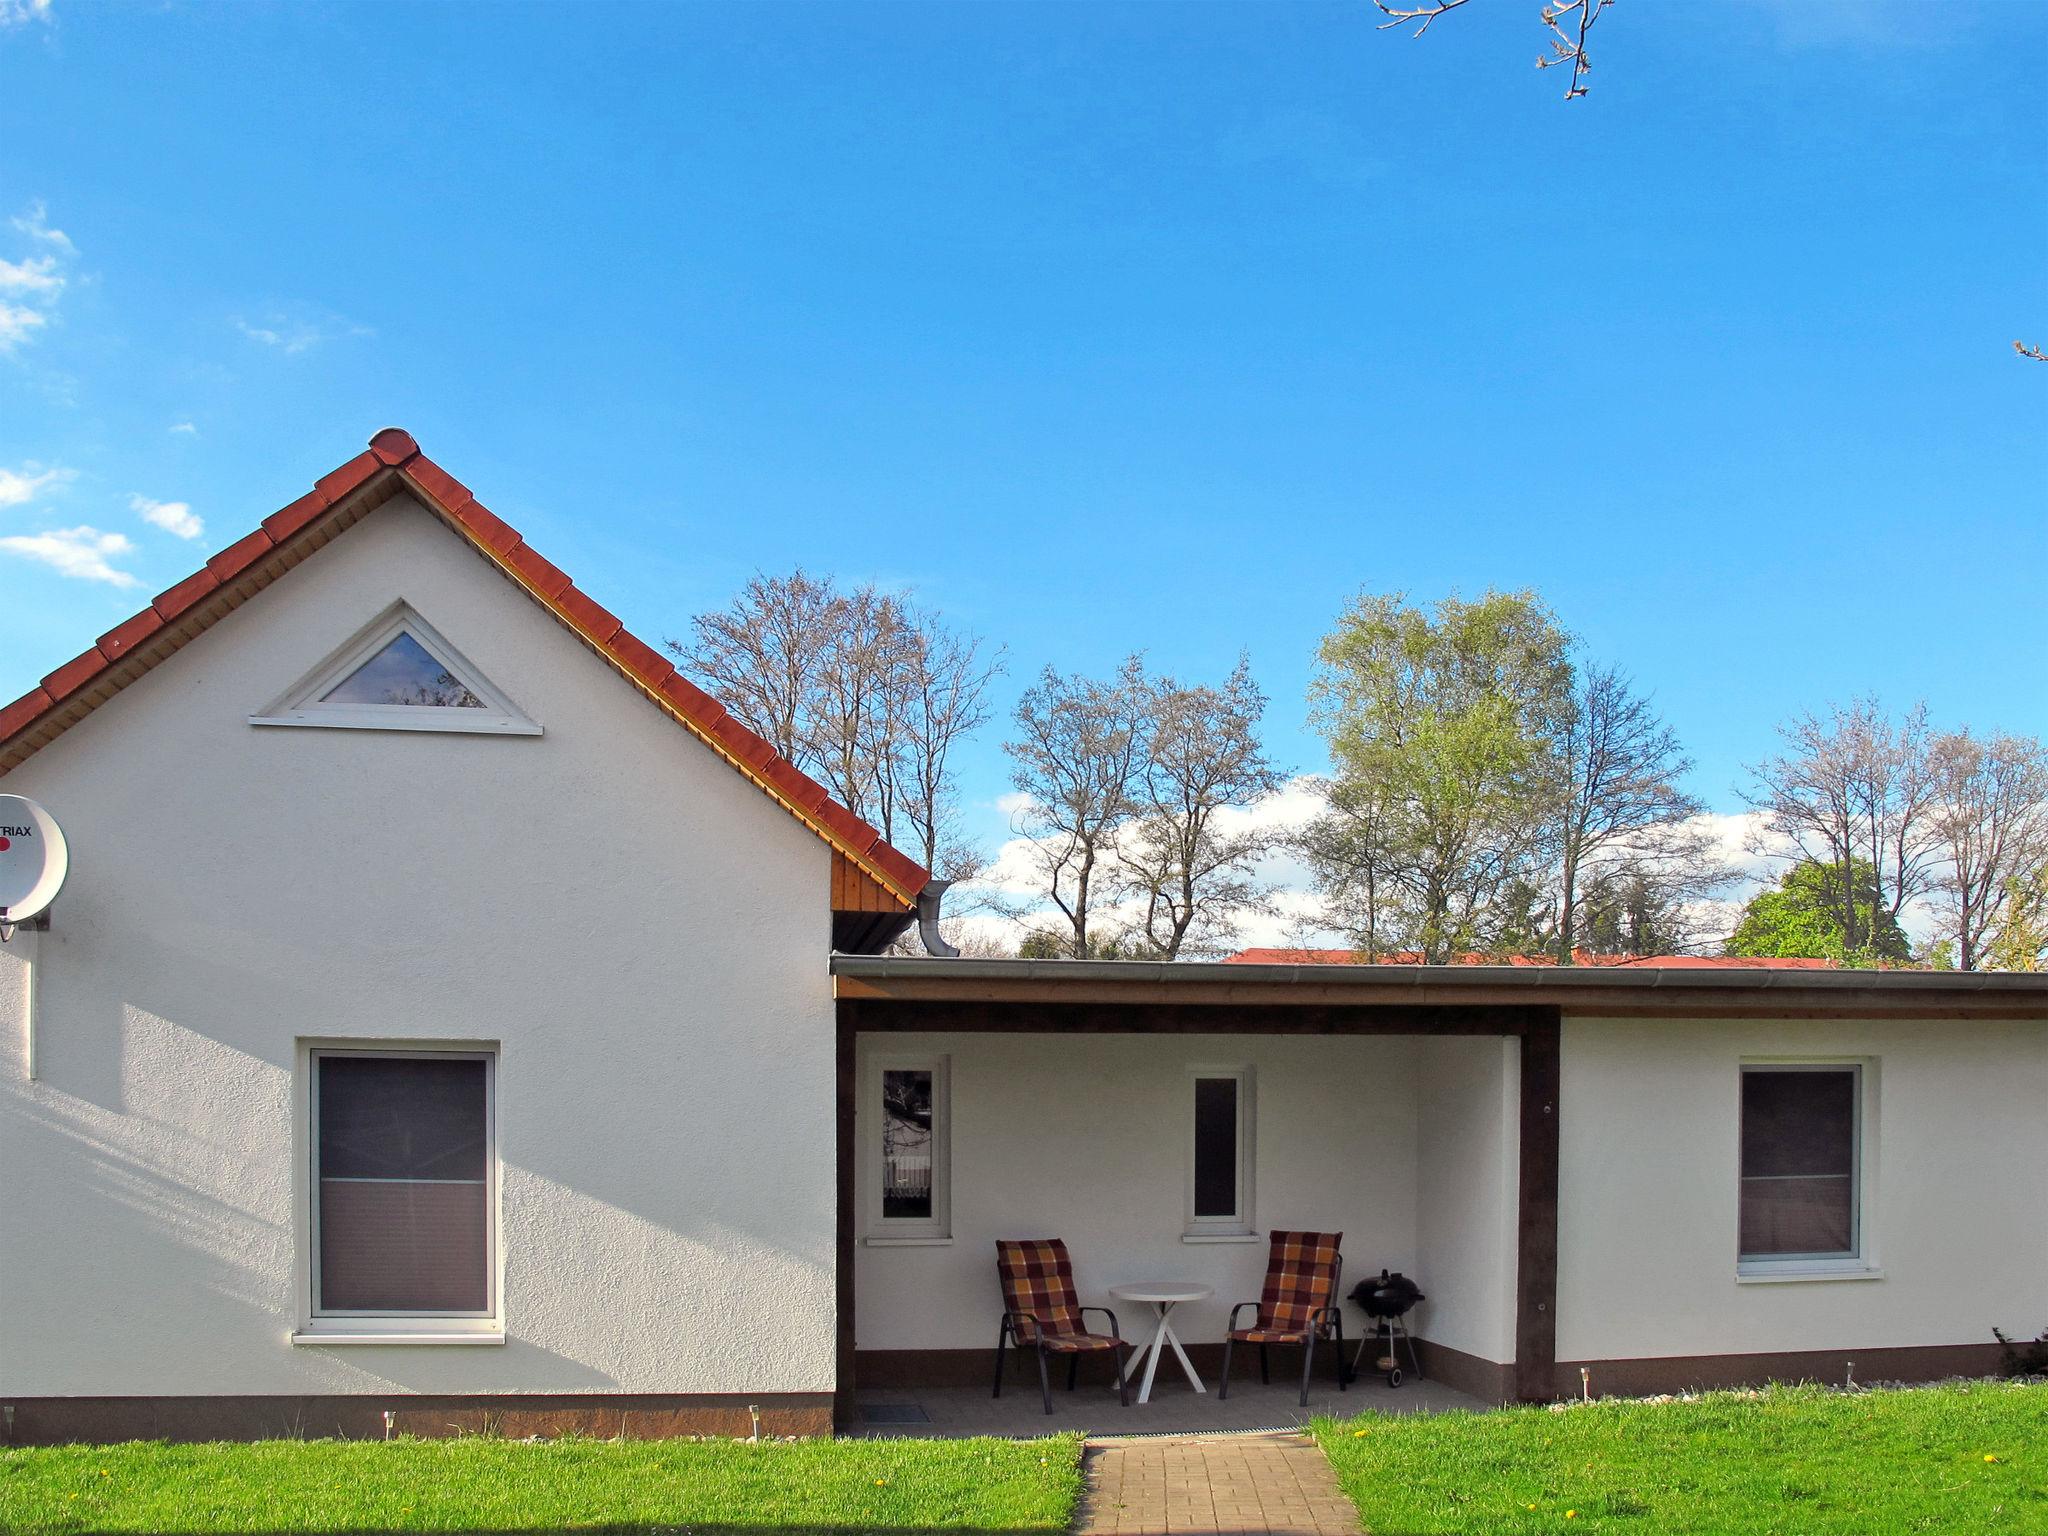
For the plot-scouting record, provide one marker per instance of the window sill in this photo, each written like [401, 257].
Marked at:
[1221, 1237]
[405, 720]
[1798, 1272]
[321, 1337]
[907, 1242]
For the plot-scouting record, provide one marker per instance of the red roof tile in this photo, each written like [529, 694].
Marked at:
[393, 452]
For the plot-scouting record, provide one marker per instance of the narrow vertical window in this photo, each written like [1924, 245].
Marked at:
[402, 1184]
[1219, 1153]
[908, 1148]
[1800, 1163]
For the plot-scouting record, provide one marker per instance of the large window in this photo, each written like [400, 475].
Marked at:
[403, 1185]
[1219, 1152]
[1800, 1163]
[908, 1146]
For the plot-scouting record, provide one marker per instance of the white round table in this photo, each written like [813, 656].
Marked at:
[1164, 1296]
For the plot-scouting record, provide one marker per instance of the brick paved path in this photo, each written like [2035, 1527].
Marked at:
[1238, 1484]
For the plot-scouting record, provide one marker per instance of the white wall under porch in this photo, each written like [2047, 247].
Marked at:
[1405, 1144]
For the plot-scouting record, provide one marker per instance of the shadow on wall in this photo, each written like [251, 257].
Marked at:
[177, 1180]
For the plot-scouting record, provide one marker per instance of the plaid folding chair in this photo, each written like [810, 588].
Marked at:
[1040, 1309]
[1298, 1305]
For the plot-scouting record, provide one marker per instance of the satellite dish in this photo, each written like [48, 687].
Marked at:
[33, 861]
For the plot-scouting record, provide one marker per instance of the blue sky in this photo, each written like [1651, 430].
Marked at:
[1104, 327]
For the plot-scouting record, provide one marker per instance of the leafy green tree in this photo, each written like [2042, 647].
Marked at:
[1446, 723]
[1803, 918]
[2021, 940]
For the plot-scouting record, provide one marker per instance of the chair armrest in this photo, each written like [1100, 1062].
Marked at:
[1114, 1331]
[1240, 1307]
[1327, 1317]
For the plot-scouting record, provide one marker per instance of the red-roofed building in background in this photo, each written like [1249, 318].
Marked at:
[1580, 957]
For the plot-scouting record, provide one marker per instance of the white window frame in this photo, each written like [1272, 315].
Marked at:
[361, 1326]
[907, 1231]
[1857, 1262]
[1239, 1223]
[304, 703]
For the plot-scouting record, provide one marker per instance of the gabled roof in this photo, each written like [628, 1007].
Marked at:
[392, 465]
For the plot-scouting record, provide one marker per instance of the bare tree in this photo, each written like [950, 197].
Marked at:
[941, 697]
[1191, 873]
[1076, 756]
[760, 657]
[861, 688]
[1852, 787]
[1622, 813]
[1568, 22]
[1989, 812]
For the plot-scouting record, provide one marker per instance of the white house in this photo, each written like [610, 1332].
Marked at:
[452, 1014]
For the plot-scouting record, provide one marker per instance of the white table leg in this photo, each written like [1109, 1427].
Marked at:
[1138, 1352]
[1152, 1355]
[1185, 1364]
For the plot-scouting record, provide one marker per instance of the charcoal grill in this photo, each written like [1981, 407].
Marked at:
[1386, 1300]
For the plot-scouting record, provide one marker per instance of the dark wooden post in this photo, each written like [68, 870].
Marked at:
[847, 1090]
[1536, 1226]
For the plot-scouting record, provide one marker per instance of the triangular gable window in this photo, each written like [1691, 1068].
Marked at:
[404, 672]
[399, 674]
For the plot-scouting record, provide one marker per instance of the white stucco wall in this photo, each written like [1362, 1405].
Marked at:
[641, 933]
[1084, 1138]
[1955, 1184]
[1468, 1140]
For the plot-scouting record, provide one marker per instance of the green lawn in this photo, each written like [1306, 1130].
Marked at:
[483, 1485]
[1969, 1458]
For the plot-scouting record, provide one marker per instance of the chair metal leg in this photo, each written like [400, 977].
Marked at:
[1308, 1356]
[1002, 1349]
[1343, 1373]
[1265, 1376]
[1223, 1386]
[1123, 1385]
[1044, 1380]
[1073, 1370]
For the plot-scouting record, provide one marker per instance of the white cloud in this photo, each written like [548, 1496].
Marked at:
[37, 274]
[20, 485]
[174, 517]
[35, 280]
[81, 553]
[19, 13]
[17, 324]
[183, 429]
[36, 222]
[293, 333]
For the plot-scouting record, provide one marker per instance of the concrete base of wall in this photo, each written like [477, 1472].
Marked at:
[652, 1416]
[1831, 1367]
